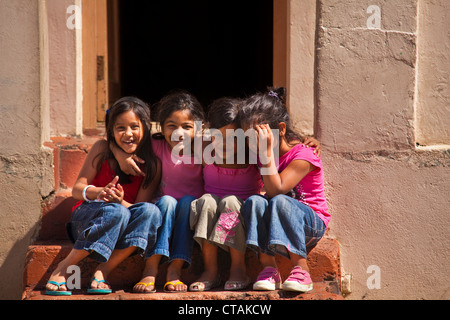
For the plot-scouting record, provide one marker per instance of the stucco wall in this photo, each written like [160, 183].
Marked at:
[389, 200]
[62, 66]
[25, 167]
[433, 80]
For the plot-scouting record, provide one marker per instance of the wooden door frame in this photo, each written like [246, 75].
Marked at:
[94, 62]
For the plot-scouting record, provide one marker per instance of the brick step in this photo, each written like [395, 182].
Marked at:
[325, 290]
[42, 258]
[68, 157]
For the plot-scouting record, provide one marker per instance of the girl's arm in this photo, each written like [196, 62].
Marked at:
[88, 173]
[280, 183]
[127, 162]
[147, 194]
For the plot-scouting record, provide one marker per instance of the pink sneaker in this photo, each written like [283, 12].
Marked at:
[268, 279]
[299, 280]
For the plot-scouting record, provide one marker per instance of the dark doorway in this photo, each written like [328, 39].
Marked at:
[210, 48]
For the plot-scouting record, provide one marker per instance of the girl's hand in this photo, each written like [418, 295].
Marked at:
[111, 193]
[128, 163]
[264, 133]
[311, 142]
[131, 165]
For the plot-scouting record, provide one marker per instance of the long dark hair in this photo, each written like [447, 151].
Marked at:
[144, 149]
[222, 112]
[268, 107]
[177, 101]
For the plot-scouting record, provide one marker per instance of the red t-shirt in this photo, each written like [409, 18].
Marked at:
[106, 175]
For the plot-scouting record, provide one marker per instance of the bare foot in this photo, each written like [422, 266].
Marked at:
[97, 282]
[208, 280]
[174, 272]
[58, 278]
[145, 285]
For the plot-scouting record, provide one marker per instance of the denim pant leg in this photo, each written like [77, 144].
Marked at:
[167, 206]
[97, 226]
[182, 242]
[254, 211]
[145, 219]
[294, 226]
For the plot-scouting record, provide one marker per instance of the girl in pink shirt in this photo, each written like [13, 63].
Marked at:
[181, 182]
[215, 217]
[293, 216]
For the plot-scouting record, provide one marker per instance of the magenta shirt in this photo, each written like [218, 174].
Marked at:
[310, 190]
[226, 181]
[178, 179]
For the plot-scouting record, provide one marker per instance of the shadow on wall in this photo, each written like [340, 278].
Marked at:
[11, 270]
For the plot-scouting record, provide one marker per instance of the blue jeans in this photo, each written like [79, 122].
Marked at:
[175, 238]
[281, 225]
[101, 227]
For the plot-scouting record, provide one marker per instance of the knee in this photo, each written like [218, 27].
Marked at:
[184, 205]
[186, 200]
[116, 213]
[167, 204]
[207, 201]
[206, 205]
[280, 200]
[146, 210]
[254, 202]
[283, 205]
[230, 202]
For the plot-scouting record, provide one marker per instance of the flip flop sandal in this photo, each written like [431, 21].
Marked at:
[91, 290]
[236, 285]
[58, 292]
[200, 286]
[173, 284]
[146, 285]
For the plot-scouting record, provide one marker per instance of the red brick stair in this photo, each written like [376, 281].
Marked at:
[52, 246]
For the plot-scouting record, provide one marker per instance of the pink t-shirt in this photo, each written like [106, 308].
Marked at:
[178, 178]
[227, 181]
[310, 190]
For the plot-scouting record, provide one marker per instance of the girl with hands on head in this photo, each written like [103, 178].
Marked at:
[293, 215]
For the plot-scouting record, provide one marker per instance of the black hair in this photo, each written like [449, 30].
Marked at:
[144, 149]
[177, 101]
[222, 112]
[270, 108]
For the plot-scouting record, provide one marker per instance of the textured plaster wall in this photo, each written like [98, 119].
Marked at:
[301, 22]
[433, 87]
[389, 200]
[25, 167]
[62, 66]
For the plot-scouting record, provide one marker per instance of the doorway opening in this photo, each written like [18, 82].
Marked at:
[209, 48]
